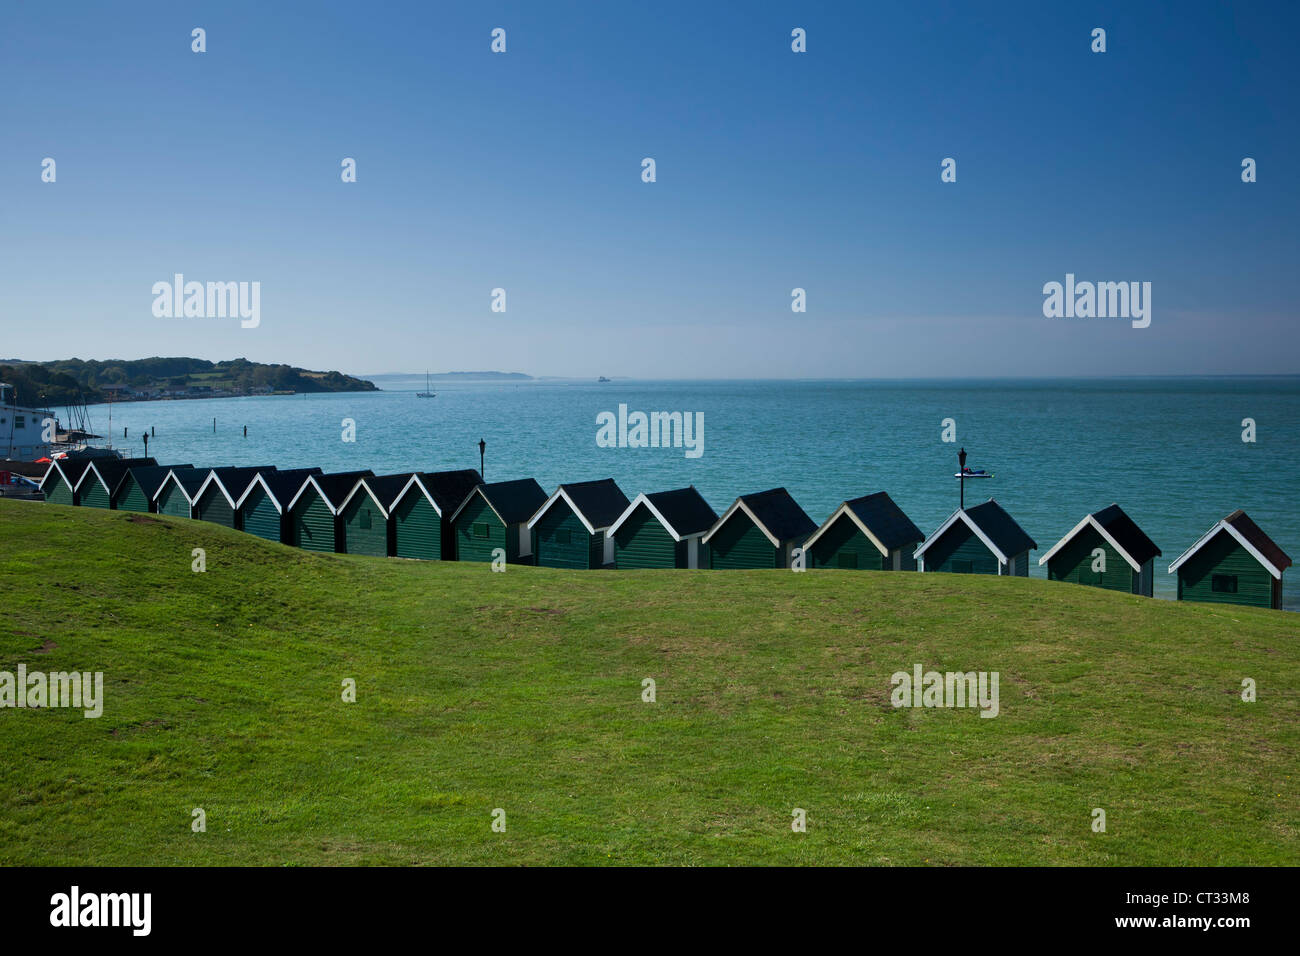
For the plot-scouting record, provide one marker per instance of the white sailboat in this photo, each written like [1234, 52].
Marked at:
[428, 392]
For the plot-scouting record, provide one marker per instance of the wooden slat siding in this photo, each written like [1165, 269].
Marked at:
[470, 548]
[1223, 555]
[172, 502]
[58, 492]
[1019, 566]
[905, 560]
[550, 553]
[845, 537]
[1147, 579]
[959, 543]
[740, 544]
[596, 550]
[1073, 563]
[259, 517]
[95, 496]
[312, 527]
[417, 529]
[358, 540]
[131, 497]
[642, 542]
[213, 506]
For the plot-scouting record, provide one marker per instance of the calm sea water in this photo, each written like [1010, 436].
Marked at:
[1169, 451]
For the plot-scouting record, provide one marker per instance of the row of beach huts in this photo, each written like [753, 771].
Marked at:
[455, 516]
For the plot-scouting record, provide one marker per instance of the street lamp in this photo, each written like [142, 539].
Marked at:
[482, 447]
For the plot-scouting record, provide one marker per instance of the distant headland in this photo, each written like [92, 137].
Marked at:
[480, 377]
[74, 381]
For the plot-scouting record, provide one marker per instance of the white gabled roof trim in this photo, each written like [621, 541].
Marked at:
[415, 480]
[478, 490]
[171, 476]
[86, 474]
[311, 480]
[844, 509]
[975, 529]
[258, 480]
[739, 505]
[55, 469]
[1225, 526]
[383, 509]
[1090, 520]
[212, 476]
[641, 499]
[561, 493]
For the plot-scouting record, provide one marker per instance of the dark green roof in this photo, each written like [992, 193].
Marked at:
[778, 512]
[600, 502]
[1000, 528]
[514, 501]
[685, 510]
[1126, 533]
[891, 526]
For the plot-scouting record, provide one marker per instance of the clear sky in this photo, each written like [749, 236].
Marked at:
[775, 170]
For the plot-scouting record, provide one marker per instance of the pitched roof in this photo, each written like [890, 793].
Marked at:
[1119, 529]
[382, 489]
[190, 480]
[111, 471]
[336, 486]
[513, 501]
[684, 512]
[992, 525]
[235, 481]
[450, 488]
[151, 477]
[777, 514]
[885, 524]
[69, 470]
[597, 504]
[281, 486]
[1249, 535]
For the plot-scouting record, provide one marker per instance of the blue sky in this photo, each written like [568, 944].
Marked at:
[775, 170]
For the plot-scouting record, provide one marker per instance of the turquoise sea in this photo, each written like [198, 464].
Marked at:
[1169, 451]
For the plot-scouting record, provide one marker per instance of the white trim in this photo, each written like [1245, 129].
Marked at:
[212, 476]
[171, 474]
[478, 490]
[740, 503]
[54, 467]
[1089, 519]
[311, 480]
[370, 491]
[641, 499]
[1224, 525]
[415, 480]
[561, 493]
[845, 509]
[86, 474]
[960, 513]
[259, 480]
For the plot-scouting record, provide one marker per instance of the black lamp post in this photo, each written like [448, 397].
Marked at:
[961, 462]
[482, 447]
[146, 444]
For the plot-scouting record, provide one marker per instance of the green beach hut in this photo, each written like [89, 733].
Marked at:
[101, 478]
[175, 495]
[980, 540]
[218, 496]
[263, 509]
[496, 516]
[1106, 550]
[138, 486]
[314, 520]
[759, 530]
[663, 530]
[870, 532]
[1232, 563]
[60, 482]
[570, 529]
[366, 521]
[421, 513]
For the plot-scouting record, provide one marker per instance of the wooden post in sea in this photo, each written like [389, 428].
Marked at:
[146, 445]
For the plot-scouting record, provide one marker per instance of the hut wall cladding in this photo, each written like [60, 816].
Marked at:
[739, 544]
[313, 524]
[642, 542]
[131, 497]
[959, 544]
[417, 528]
[365, 529]
[93, 494]
[58, 492]
[845, 546]
[213, 506]
[471, 542]
[259, 516]
[172, 501]
[1074, 562]
[1223, 555]
[581, 549]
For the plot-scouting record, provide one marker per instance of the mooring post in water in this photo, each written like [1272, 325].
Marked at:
[214, 426]
[482, 446]
[146, 445]
[245, 431]
[123, 432]
[152, 430]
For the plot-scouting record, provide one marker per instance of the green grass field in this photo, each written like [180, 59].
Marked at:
[522, 691]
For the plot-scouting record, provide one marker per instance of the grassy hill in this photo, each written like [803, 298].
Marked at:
[522, 691]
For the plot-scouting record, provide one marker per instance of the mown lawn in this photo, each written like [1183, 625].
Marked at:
[522, 691]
